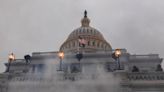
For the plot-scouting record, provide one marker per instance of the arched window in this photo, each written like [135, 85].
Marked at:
[69, 45]
[87, 30]
[93, 43]
[91, 31]
[73, 43]
[88, 43]
[102, 45]
[98, 44]
[80, 31]
[84, 31]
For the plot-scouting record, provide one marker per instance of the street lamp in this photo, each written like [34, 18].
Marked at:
[116, 55]
[10, 59]
[79, 56]
[61, 56]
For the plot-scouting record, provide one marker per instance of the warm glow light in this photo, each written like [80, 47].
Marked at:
[61, 55]
[117, 52]
[11, 57]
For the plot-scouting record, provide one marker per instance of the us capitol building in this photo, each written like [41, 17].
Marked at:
[85, 55]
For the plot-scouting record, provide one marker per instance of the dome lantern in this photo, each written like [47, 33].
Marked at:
[85, 21]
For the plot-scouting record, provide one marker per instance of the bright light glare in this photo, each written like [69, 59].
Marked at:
[117, 52]
[61, 55]
[12, 57]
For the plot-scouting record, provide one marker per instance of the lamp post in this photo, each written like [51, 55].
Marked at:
[61, 56]
[10, 59]
[117, 54]
[79, 56]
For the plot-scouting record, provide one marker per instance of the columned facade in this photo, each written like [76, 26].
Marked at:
[95, 70]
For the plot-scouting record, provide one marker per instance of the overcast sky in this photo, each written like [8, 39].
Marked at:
[28, 26]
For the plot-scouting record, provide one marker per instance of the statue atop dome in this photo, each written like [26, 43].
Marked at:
[85, 21]
[85, 13]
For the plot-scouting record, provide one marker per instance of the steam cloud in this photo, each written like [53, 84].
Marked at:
[28, 26]
[52, 82]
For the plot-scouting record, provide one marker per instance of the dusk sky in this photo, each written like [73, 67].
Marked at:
[28, 26]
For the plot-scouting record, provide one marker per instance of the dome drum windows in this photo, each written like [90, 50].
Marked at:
[73, 43]
[84, 31]
[80, 31]
[98, 44]
[69, 45]
[93, 43]
[91, 31]
[88, 43]
[87, 30]
[102, 45]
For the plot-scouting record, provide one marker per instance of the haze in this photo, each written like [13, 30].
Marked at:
[28, 26]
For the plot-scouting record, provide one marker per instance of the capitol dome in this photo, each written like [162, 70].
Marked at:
[94, 40]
